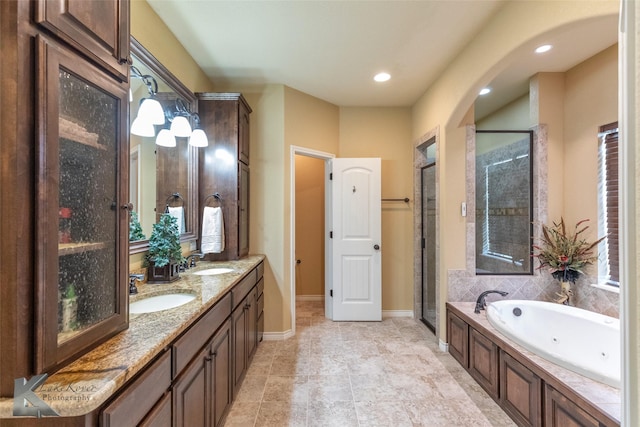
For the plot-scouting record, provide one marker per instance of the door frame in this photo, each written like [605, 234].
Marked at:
[326, 157]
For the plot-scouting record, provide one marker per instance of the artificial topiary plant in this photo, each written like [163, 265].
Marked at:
[164, 243]
[135, 229]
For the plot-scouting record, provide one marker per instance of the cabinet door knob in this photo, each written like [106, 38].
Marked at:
[207, 358]
[128, 207]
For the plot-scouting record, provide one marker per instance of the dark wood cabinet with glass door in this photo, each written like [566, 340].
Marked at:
[81, 205]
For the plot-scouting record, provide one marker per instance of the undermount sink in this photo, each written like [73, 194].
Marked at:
[160, 302]
[213, 271]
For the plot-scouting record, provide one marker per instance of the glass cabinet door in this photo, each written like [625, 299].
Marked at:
[82, 216]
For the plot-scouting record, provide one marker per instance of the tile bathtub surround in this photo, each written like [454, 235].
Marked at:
[388, 373]
[85, 384]
[465, 285]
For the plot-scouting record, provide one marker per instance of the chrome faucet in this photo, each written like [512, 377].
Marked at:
[481, 303]
[133, 278]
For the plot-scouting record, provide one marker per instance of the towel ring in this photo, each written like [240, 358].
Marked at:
[173, 197]
[216, 196]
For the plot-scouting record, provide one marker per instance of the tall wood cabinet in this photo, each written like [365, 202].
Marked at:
[63, 116]
[224, 167]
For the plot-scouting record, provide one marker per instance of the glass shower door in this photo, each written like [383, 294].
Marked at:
[428, 203]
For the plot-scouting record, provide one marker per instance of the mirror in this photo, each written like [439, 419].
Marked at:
[504, 202]
[161, 178]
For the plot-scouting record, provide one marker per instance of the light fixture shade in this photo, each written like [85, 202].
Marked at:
[151, 111]
[198, 138]
[180, 127]
[142, 127]
[165, 139]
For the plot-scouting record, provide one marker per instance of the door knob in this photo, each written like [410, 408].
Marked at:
[376, 247]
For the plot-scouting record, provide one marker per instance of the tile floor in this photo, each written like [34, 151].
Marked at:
[388, 373]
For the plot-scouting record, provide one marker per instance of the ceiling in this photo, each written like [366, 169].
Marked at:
[332, 49]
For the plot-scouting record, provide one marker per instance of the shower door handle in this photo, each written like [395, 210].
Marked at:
[376, 247]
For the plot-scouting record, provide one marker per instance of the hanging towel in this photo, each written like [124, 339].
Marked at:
[178, 213]
[212, 231]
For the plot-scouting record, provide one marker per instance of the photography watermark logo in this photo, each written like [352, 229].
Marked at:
[25, 401]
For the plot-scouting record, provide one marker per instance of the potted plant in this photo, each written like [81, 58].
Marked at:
[135, 229]
[69, 308]
[165, 253]
[565, 254]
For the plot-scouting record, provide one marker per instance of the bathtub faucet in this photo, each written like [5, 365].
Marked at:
[481, 303]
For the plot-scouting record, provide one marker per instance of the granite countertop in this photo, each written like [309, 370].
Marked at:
[85, 384]
[608, 399]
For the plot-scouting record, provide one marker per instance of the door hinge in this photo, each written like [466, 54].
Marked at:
[330, 176]
[424, 243]
[331, 293]
[331, 234]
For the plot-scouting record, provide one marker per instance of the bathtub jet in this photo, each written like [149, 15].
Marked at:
[582, 341]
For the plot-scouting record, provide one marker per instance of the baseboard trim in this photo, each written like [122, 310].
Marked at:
[277, 336]
[397, 313]
[309, 297]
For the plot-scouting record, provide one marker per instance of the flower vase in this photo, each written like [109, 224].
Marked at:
[565, 287]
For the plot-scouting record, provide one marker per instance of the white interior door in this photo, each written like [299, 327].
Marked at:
[356, 239]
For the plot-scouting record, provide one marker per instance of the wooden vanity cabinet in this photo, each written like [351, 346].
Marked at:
[202, 394]
[458, 338]
[520, 391]
[245, 333]
[526, 393]
[99, 29]
[224, 167]
[483, 362]
[146, 401]
[562, 412]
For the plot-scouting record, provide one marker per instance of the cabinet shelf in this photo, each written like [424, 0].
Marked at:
[74, 132]
[76, 248]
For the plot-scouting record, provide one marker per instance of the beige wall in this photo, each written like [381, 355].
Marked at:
[513, 116]
[590, 101]
[153, 34]
[309, 226]
[386, 133]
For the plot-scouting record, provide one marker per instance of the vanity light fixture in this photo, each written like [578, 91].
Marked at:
[544, 48]
[142, 127]
[484, 91]
[150, 111]
[198, 138]
[382, 77]
[180, 126]
[165, 138]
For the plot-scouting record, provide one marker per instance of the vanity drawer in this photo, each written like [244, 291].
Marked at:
[261, 286]
[190, 343]
[132, 405]
[260, 270]
[242, 289]
[260, 304]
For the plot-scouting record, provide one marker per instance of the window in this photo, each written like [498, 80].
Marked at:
[608, 265]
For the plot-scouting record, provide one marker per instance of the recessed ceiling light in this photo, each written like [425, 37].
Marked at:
[484, 91]
[382, 77]
[544, 48]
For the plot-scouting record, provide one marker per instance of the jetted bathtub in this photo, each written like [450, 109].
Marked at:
[582, 341]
